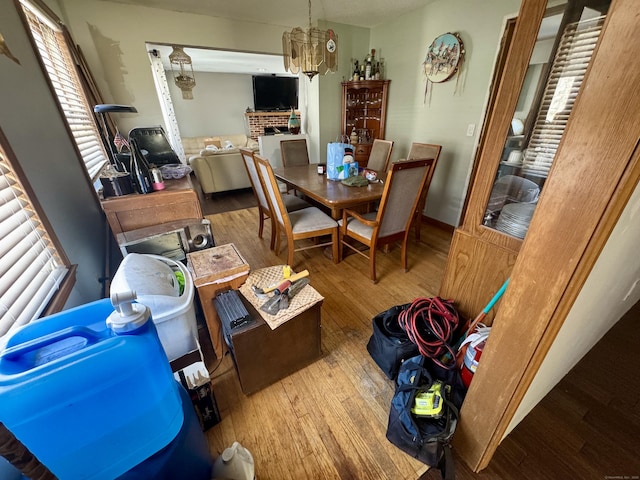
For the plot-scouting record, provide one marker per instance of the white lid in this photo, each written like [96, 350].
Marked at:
[146, 275]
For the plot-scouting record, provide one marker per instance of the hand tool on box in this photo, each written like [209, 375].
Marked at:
[262, 291]
[280, 300]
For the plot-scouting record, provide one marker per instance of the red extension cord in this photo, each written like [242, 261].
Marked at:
[430, 323]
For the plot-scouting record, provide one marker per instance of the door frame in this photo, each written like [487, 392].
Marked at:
[570, 226]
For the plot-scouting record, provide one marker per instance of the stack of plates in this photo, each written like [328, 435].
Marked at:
[514, 218]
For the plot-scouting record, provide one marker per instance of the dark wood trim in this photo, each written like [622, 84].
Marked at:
[441, 225]
[59, 300]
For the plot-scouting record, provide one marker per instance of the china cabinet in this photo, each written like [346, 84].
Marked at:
[364, 109]
[583, 177]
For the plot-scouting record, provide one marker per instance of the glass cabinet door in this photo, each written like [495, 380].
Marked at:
[552, 82]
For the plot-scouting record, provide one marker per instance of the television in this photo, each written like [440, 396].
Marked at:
[273, 93]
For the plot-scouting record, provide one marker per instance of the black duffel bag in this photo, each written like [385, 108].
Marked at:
[389, 344]
[426, 438]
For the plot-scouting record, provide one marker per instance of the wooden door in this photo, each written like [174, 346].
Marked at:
[596, 169]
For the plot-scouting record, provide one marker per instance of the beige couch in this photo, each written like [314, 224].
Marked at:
[216, 161]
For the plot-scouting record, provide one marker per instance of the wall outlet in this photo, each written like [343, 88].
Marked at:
[470, 129]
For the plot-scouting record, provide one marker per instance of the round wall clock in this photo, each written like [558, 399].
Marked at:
[444, 57]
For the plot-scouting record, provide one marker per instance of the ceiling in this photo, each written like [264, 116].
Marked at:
[290, 13]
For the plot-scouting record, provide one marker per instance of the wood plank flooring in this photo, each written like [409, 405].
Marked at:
[328, 420]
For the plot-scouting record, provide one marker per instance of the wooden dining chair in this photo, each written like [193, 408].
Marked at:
[310, 222]
[423, 150]
[392, 222]
[294, 152]
[291, 202]
[380, 155]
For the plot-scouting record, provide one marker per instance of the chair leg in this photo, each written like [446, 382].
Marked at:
[291, 248]
[372, 263]
[417, 221]
[336, 246]
[290, 254]
[274, 232]
[260, 222]
[278, 238]
[403, 252]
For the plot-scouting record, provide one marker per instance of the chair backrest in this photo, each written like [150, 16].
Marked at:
[294, 152]
[425, 150]
[254, 178]
[380, 155]
[404, 183]
[272, 191]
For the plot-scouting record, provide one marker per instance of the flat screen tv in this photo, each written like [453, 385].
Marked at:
[272, 93]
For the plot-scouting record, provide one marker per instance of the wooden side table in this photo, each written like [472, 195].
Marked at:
[177, 201]
[216, 270]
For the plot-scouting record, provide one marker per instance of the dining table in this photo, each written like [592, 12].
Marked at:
[332, 194]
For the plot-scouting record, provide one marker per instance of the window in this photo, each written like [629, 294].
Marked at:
[56, 57]
[32, 269]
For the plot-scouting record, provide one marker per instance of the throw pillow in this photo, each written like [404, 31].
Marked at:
[212, 142]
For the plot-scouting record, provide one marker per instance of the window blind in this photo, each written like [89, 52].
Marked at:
[567, 73]
[30, 268]
[64, 78]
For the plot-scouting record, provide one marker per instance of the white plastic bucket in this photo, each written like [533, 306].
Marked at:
[153, 280]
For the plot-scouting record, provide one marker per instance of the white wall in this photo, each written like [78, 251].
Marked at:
[353, 42]
[113, 37]
[218, 105]
[443, 116]
[600, 304]
[36, 132]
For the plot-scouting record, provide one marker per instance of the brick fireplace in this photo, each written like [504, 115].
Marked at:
[259, 120]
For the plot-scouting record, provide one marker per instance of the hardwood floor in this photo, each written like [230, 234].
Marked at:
[328, 420]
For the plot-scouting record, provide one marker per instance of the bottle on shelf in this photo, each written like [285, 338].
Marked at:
[356, 72]
[157, 182]
[294, 123]
[354, 136]
[139, 170]
[367, 68]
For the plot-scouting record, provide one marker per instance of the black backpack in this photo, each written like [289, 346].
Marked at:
[425, 438]
[389, 344]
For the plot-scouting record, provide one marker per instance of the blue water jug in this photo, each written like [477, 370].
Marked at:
[90, 390]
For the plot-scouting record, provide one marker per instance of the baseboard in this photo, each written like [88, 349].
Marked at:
[437, 223]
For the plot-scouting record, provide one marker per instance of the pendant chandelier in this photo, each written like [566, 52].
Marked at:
[311, 52]
[184, 81]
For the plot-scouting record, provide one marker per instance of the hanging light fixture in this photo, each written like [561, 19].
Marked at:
[311, 52]
[184, 81]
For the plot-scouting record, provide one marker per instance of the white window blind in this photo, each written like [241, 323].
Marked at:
[567, 73]
[30, 268]
[64, 78]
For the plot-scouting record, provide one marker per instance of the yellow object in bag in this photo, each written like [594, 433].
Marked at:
[429, 403]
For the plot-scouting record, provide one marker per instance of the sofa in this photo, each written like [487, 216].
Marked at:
[216, 161]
